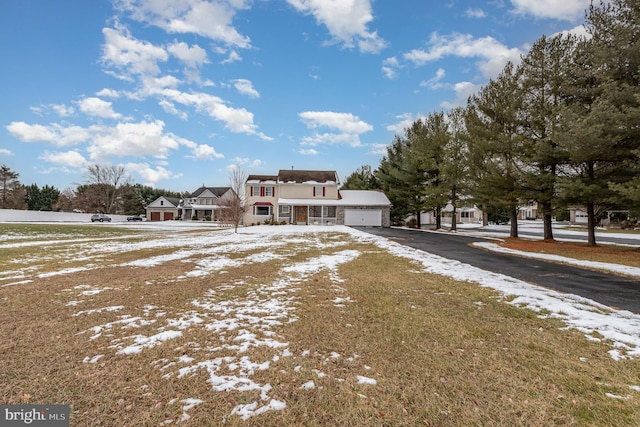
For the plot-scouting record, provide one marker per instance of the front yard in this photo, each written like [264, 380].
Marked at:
[163, 324]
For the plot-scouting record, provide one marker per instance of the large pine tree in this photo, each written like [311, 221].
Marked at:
[600, 122]
[494, 144]
[542, 80]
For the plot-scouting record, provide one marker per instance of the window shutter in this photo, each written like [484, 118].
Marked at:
[314, 191]
[261, 191]
[323, 191]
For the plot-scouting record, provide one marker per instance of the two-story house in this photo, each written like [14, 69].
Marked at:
[312, 197]
[204, 203]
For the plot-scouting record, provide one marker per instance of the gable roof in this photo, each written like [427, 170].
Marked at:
[262, 178]
[217, 191]
[301, 176]
[173, 202]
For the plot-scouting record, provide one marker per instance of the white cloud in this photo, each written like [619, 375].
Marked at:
[342, 122]
[569, 10]
[434, 82]
[170, 108]
[463, 91]
[390, 67]
[237, 120]
[31, 133]
[404, 121]
[63, 110]
[130, 55]
[208, 18]
[108, 93]
[134, 139]
[493, 54]
[151, 176]
[245, 87]
[308, 152]
[346, 128]
[205, 152]
[5, 152]
[233, 57]
[55, 134]
[580, 31]
[378, 149]
[97, 107]
[475, 13]
[68, 159]
[193, 57]
[347, 22]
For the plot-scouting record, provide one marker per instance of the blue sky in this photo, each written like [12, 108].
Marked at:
[180, 91]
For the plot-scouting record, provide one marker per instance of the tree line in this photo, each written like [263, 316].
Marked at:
[559, 129]
[108, 189]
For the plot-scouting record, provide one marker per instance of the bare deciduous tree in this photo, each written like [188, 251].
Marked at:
[233, 204]
[109, 180]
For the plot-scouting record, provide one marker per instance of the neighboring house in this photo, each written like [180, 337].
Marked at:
[163, 209]
[200, 205]
[204, 203]
[312, 197]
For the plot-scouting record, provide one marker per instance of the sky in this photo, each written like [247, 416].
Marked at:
[181, 92]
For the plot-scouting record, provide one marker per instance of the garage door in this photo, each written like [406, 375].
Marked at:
[365, 217]
[155, 216]
[168, 216]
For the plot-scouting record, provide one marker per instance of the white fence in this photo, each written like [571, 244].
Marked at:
[14, 215]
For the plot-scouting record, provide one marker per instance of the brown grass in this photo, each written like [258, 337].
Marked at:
[601, 253]
[443, 352]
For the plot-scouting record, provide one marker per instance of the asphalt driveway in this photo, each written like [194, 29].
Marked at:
[608, 289]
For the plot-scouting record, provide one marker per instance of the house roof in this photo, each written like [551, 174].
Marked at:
[262, 178]
[348, 198]
[217, 191]
[175, 201]
[364, 198]
[302, 176]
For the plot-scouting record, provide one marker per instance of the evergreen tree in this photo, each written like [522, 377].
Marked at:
[12, 193]
[542, 80]
[454, 168]
[400, 182]
[494, 142]
[430, 138]
[362, 179]
[600, 131]
[41, 199]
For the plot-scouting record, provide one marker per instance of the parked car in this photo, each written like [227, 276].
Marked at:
[134, 218]
[100, 217]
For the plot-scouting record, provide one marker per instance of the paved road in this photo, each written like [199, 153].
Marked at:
[608, 289]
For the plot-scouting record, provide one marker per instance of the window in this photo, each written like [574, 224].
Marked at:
[262, 210]
[285, 210]
[329, 211]
[319, 191]
[263, 191]
[465, 214]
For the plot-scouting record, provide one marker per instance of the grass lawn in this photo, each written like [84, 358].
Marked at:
[140, 326]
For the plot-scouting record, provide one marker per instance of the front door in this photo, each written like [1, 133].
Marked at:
[301, 214]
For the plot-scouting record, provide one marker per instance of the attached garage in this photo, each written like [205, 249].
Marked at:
[363, 217]
[163, 209]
